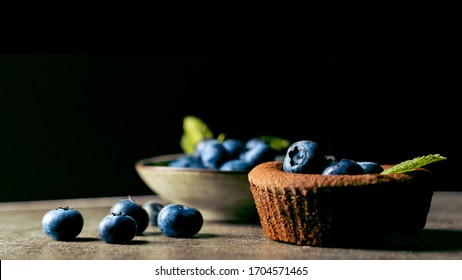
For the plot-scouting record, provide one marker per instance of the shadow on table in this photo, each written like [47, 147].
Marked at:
[90, 239]
[430, 240]
[84, 239]
[436, 240]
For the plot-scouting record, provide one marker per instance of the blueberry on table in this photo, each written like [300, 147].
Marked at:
[62, 223]
[305, 156]
[176, 220]
[117, 228]
[153, 208]
[343, 167]
[370, 167]
[131, 208]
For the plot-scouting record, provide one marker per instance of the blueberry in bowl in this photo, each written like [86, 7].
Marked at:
[213, 154]
[220, 195]
[211, 178]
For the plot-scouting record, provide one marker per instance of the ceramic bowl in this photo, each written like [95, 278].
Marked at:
[221, 196]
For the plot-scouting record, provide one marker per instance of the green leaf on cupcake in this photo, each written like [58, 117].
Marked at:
[414, 163]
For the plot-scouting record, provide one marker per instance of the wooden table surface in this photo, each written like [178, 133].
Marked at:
[22, 238]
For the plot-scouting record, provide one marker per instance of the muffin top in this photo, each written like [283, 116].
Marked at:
[271, 174]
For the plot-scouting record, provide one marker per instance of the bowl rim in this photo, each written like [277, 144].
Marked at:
[150, 164]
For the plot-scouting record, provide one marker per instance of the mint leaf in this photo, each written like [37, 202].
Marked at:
[194, 130]
[276, 143]
[221, 137]
[413, 164]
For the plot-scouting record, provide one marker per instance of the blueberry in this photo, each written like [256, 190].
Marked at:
[176, 220]
[131, 208]
[370, 167]
[235, 165]
[257, 152]
[187, 161]
[117, 228]
[62, 223]
[213, 154]
[201, 144]
[343, 167]
[305, 156]
[253, 142]
[153, 208]
[234, 147]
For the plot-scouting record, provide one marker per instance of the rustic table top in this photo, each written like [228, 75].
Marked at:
[22, 238]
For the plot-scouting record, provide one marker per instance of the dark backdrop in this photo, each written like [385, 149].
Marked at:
[74, 124]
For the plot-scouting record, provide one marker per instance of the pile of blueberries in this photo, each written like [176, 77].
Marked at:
[125, 220]
[304, 156]
[227, 155]
[308, 157]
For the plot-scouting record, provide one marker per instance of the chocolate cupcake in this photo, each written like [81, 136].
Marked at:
[340, 210]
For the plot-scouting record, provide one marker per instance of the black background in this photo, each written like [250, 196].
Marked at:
[73, 123]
